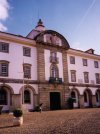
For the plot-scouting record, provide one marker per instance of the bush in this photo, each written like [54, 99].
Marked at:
[17, 112]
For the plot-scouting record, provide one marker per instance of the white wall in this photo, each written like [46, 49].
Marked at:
[48, 64]
[16, 58]
[16, 87]
[78, 66]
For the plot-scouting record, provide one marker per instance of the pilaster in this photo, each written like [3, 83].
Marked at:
[81, 101]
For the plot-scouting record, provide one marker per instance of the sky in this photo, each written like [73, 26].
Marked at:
[77, 20]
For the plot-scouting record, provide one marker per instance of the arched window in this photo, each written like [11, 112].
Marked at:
[73, 95]
[85, 97]
[54, 71]
[27, 98]
[3, 97]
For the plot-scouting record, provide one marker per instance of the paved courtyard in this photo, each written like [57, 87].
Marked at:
[79, 121]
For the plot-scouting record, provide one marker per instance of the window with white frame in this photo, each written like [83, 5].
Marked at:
[3, 97]
[85, 62]
[27, 70]
[97, 75]
[73, 75]
[27, 51]
[54, 72]
[96, 64]
[72, 60]
[4, 47]
[27, 96]
[86, 77]
[4, 68]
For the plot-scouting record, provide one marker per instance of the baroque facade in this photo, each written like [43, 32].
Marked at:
[42, 68]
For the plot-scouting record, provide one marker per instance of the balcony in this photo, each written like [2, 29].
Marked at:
[54, 59]
[53, 80]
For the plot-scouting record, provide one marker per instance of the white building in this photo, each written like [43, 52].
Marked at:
[42, 68]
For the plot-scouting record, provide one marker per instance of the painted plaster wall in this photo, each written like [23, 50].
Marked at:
[16, 60]
[78, 66]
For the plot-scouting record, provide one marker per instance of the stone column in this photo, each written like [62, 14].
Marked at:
[65, 66]
[36, 100]
[16, 101]
[81, 101]
[40, 63]
[93, 100]
[65, 76]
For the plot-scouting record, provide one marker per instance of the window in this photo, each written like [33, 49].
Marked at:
[72, 60]
[54, 71]
[73, 75]
[4, 68]
[85, 97]
[26, 51]
[27, 70]
[86, 77]
[97, 75]
[27, 96]
[84, 62]
[3, 97]
[96, 65]
[4, 47]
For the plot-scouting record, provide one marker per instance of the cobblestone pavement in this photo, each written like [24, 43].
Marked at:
[79, 121]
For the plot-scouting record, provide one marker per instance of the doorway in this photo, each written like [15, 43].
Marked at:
[55, 101]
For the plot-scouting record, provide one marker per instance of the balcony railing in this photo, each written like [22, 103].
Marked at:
[54, 80]
[54, 59]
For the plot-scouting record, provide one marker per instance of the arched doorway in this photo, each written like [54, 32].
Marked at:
[97, 98]
[27, 97]
[87, 98]
[5, 97]
[75, 96]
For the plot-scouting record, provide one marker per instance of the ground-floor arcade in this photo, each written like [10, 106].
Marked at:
[26, 98]
[53, 97]
[85, 97]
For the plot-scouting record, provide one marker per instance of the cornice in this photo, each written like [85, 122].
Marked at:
[83, 54]
[17, 39]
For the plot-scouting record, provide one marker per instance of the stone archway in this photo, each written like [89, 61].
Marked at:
[87, 98]
[28, 97]
[6, 96]
[97, 95]
[75, 95]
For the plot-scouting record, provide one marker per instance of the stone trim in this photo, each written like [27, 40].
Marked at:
[20, 81]
[83, 85]
[40, 63]
[65, 66]
[50, 46]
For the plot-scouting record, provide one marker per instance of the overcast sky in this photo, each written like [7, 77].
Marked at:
[77, 20]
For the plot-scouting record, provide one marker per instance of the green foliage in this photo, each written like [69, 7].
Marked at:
[18, 112]
[70, 100]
